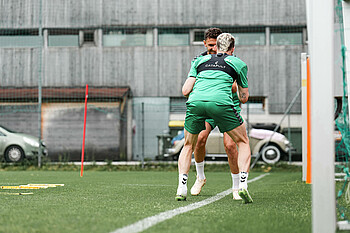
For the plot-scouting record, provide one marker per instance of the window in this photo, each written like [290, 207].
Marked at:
[243, 36]
[198, 35]
[63, 37]
[173, 37]
[256, 105]
[248, 36]
[128, 37]
[89, 36]
[19, 38]
[286, 36]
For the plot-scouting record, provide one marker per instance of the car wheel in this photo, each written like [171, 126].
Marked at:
[14, 154]
[271, 154]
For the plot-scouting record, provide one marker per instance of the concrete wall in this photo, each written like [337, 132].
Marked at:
[153, 73]
[90, 13]
[274, 71]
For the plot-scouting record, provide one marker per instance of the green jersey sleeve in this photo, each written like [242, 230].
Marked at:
[242, 77]
[241, 68]
[193, 69]
[195, 63]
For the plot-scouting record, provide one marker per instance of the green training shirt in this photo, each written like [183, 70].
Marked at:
[215, 75]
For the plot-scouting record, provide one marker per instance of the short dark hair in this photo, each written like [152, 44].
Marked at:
[212, 33]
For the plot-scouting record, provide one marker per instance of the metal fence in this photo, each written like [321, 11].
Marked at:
[131, 53]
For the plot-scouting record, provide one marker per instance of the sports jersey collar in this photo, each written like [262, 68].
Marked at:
[221, 54]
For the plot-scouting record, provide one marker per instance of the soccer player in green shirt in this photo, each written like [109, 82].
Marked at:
[209, 87]
[210, 36]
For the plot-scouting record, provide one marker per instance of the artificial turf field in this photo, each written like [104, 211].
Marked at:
[102, 201]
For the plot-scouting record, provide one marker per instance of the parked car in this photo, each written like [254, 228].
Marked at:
[277, 145]
[14, 146]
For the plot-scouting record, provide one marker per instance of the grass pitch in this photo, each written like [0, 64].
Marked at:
[105, 201]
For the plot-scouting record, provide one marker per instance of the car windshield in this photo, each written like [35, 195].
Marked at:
[8, 130]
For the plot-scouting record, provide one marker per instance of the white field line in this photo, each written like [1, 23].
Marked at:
[147, 185]
[153, 220]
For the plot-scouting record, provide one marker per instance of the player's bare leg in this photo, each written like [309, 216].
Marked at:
[232, 156]
[199, 156]
[239, 135]
[184, 164]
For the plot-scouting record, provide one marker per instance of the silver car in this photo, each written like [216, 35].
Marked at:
[272, 146]
[14, 147]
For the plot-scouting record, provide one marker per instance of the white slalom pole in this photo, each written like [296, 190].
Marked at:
[321, 24]
[304, 113]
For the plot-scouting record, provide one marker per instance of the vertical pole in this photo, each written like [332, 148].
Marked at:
[289, 138]
[322, 140]
[304, 114]
[247, 118]
[143, 136]
[308, 122]
[130, 131]
[84, 130]
[40, 58]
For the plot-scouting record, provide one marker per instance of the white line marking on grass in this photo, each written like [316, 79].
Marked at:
[156, 185]
[153, 220]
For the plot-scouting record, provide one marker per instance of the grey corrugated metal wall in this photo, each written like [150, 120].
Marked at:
[151, 71]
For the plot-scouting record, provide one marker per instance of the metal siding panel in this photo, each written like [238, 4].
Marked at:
[256, 58]
[18, 67]
[174, 65]
[92, 13]
[230, 13]
[145, 72]
[123, 12]
[285, 81]
[19, 14]
[72, 13]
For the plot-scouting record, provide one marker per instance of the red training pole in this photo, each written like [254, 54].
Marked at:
[83, 147]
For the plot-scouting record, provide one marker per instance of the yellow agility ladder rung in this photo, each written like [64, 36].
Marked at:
[48, 185]
[7, 193]
[22, 187]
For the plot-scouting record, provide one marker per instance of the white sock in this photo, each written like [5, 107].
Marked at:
[182, 188]
[200, 170]
[243, 180]
[235, 180]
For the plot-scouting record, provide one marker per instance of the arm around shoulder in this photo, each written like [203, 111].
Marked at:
[188, 86]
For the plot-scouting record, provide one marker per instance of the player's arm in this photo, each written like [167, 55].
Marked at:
[243, 94]
[190, 81]
[234, 87]
[242, 84]
[188, 86]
